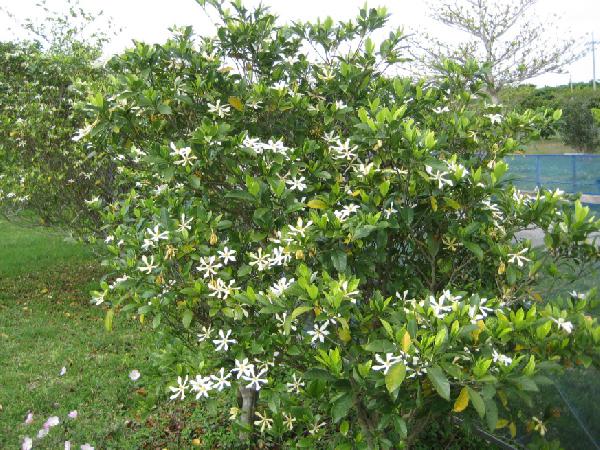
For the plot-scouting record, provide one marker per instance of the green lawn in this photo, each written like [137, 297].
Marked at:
[46, 323]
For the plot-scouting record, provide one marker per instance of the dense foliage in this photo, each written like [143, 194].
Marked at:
[332, 246]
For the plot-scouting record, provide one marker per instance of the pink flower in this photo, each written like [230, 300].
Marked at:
[51, 422]
[43, 433]
[86, 446]
[134, 375]
[29, 419]
[73, 414]
[67, 445]
[27, 443]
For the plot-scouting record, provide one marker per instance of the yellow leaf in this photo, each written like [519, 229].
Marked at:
[462, 401]
[406, 341]
[236, 103]
[433, 203]
[317, 204]
[501, 268]
[513, 429]
[196, 442]
[501, 423]
[344, 334]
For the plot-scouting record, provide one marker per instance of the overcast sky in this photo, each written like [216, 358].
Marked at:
[149, 20]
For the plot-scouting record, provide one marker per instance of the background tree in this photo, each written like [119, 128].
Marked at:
[505, 35]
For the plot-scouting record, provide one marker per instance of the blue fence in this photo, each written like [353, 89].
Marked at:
[571, 173]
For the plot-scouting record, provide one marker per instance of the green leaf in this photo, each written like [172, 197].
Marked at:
[477, 401]
[187, 317]
[341, 407]
[475, 249]
[339, 259]
[395, 377]
[439, 381]
[163, 108]
[491, 415]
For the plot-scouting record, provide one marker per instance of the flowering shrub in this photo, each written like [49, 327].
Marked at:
[335, 244]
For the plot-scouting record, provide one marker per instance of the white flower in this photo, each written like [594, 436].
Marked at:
[297, 184]
[503, 359]
[134, 375]
[27, 443]
[156, 235]
[184, 224]
[242, 368]
[330, 137]
[296, 385]
[389, 211]
[148, 265]
[184, 153]
[29, 419]
[73, 414]
[281, 318]
[67, 445]
[264, 422]
[227, 255]
[440, 110]
[208, 265]
[577, 295]
[201, 385]
[300, 228]
[518, 257]
[386, 364]
[316, 427]
[438, 176]
[43, 432]
[218, 109]
[438, 308]
[179, 390]
[280, 286]
[345, 212]
[63, 371]
[255, 378]
[280, 257]
[495, 118]
[260, 261]
[224, 341]
[220, 381]
[51, 422]
[562, 324]
[363, 170]
[343, 150]
[319, 333]
[86, 446]
[288, 421]
[206, 334]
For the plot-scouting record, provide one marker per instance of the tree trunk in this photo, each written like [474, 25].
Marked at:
[248, 399]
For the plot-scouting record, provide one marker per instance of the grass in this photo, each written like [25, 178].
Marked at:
[46, 323]
[550, 146]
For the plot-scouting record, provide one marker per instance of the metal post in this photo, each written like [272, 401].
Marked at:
[593, 62]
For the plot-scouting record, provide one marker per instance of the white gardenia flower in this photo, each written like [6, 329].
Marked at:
[319, 333]
[184, 153]
[179, 390]
[208, 265]
[438, 308]
[220, 380]
[495, 118]
[264, 422]
[201, 385]
[439, 177]
[206, 334]
[280, 257]
[134, 375]
[386, 364]
[227, 255]
[281, 318]
[184, 224]
[503, 359]
[148, 265]
[363, 170]
[156, 235]
[288, 421]
[577, 295]
[261, 261]
[390, 211]
[281, 285]
[243, 368]
[563, 324]
[331, 137]
[296, 385]
[518, 257]
[218, 109]
[300, 228]
[255, 379]
[343, 150]
[345, 212]
[297, 183]
[440, 110]
[223, 342]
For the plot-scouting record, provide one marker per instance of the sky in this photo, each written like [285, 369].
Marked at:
[149, 20]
